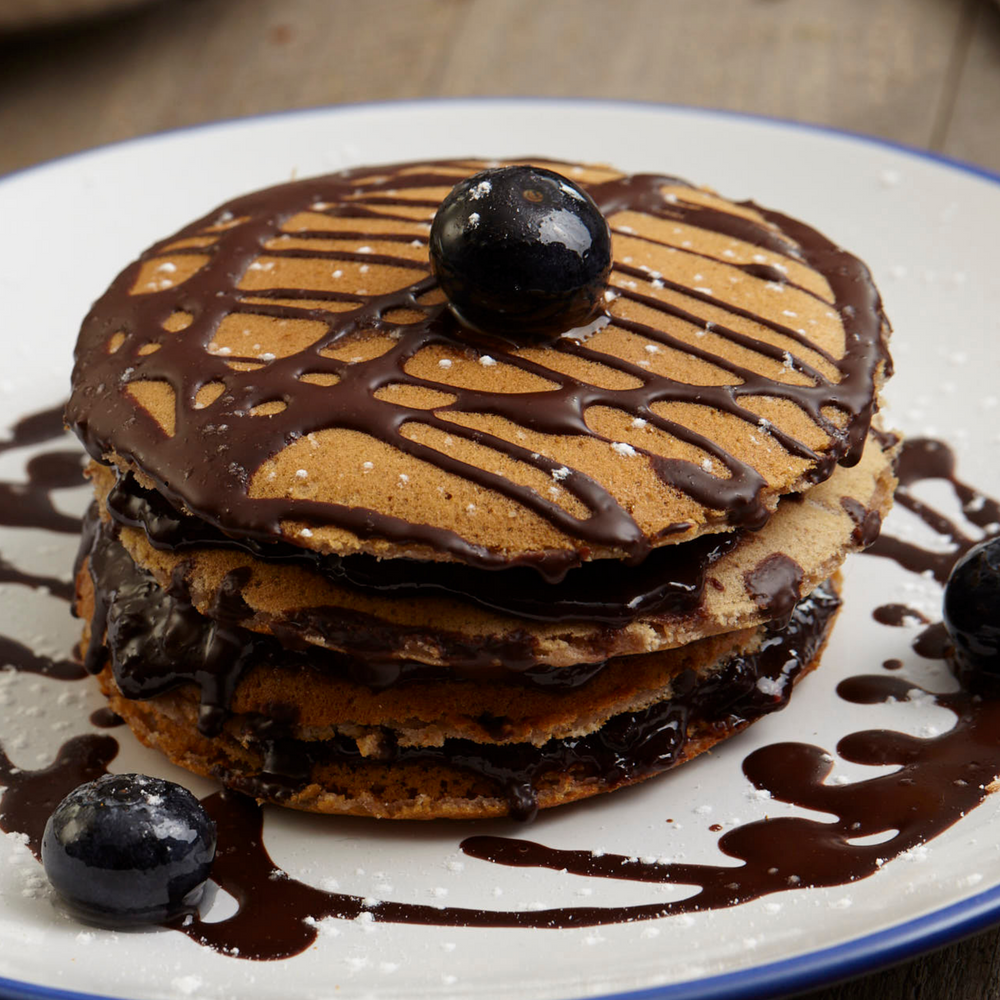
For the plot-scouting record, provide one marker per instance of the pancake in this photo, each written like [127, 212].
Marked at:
[286, 368]
[350, 555]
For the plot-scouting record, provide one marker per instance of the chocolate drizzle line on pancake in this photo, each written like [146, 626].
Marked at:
[949, 774]
[103, 414]
[775, 585]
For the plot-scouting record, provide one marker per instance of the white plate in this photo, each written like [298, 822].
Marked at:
[918, 221]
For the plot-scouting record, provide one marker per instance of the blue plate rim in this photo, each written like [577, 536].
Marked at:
[815, 969]
[775, 979]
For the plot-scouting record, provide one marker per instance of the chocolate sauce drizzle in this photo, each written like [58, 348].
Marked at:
[30, 796]
[939, 779]
[29, 504]
[775, 585]
[15, 655]
[105, 718]
[797, 853]
[103, 414]
[921, 459]
[36, 428]
[158, 641]
[778, 855]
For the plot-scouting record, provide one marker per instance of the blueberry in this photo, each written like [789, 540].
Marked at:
[521, 252]
[972, 611]
[127, 849]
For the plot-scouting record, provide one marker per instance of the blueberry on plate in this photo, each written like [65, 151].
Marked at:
[521, 252]
[127, 850]
[972, 611]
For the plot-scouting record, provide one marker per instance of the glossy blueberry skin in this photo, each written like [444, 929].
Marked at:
[972, 611]
[521, 252]
[127, 850]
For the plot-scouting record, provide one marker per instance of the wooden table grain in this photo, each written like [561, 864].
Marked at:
[921, 72]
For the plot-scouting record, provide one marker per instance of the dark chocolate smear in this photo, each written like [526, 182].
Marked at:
[898, 615]
[933, 642]
[29, 504]
[867, 523]
[63, 589]
[157, 641]
[15, 655]
[106, 718]
[775, 584]
[938, 781]
[30, 796]
[922, 459]
[36, 428]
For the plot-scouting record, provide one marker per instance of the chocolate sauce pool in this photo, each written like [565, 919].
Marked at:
[939, 779]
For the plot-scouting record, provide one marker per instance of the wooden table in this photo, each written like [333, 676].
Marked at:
[921, 72]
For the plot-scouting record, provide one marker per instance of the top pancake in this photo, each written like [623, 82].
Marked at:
[286, 367]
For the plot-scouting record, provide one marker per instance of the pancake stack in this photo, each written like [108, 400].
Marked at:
[350, 556]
